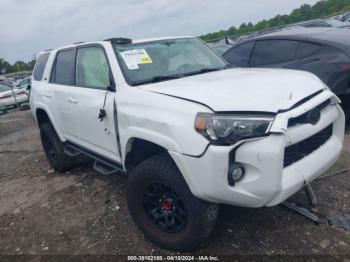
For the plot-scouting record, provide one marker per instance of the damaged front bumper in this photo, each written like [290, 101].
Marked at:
[272, 172]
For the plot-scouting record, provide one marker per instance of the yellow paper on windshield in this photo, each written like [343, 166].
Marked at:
[136, 57]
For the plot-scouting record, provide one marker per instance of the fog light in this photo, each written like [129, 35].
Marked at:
[235, 173]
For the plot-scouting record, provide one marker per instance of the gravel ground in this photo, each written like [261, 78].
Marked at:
[81, 212]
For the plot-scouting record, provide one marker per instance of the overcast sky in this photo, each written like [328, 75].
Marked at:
[29, 26]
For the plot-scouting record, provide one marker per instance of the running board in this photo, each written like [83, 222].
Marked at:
[71, 151]
[101, 165]
[105, 168]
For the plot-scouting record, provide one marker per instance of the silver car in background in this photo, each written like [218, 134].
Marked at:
[10, 98]
[24, 84]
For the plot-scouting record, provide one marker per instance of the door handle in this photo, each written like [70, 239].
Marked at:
[73, 100]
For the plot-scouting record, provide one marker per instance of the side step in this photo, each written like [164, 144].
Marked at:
[105, 168]
[71, 151]
[101, 165]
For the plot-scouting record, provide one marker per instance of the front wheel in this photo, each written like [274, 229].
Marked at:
[164, 208]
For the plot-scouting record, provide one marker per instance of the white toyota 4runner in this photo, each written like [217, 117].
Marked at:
[190, 132]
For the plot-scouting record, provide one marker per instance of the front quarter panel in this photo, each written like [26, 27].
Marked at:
[163, 120]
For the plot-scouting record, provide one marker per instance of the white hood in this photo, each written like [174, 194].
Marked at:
[259, 90]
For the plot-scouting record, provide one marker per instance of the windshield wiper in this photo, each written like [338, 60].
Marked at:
[157, 79]
[170, 77]
[205, 70]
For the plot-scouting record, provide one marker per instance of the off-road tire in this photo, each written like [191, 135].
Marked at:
[201, 215]
[54, 149]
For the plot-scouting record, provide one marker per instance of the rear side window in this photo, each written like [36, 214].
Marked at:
[306, 49]
[239, 55]
[63, 72]
[92, 68]
[40, 66]
[273, 51]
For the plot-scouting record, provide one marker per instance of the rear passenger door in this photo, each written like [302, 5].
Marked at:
[61, 85]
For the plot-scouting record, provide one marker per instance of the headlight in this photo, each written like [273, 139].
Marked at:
[228, 129]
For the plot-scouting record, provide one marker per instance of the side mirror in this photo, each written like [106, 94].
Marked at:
[29, 87]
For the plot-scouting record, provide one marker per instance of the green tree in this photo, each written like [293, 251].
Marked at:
[4, 65]
[232, 31]
[261, 25]
[243, 28]
[20, 66]
[322, 8]
[16, 67]
[31, 64]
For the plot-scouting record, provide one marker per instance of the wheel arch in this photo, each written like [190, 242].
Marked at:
[137, 150]
[42, 116]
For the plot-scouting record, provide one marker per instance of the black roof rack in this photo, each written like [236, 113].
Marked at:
[77, 43]
[120, 40]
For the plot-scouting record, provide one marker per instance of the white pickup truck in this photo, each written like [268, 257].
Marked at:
[190, 132]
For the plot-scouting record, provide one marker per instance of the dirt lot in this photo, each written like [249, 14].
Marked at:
[81, 212]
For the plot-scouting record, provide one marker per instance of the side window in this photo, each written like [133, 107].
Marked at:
[92, 68]
[306, 49]
[273, 51]
[63, 71]
[40, 66]
[239, 55]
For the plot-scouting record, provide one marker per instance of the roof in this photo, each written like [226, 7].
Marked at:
[331, 22]
[313, 32]
[337, 37]
[137, 41]
[159, 39]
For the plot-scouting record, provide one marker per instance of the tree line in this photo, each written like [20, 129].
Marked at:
[321, 9]
[6, 67]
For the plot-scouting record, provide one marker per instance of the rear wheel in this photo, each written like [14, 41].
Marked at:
[164, 208]
[54, 149]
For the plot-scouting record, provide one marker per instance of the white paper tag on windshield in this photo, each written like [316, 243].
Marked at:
[133, 58]
[133, 66]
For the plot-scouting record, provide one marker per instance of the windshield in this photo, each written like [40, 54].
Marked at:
[162, 60]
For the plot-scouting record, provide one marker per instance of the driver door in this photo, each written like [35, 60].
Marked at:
[91, 94]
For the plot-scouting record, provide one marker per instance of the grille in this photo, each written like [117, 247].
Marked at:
[299, 150]
[302, 119]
